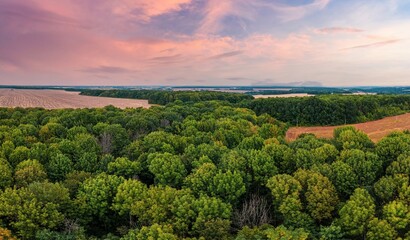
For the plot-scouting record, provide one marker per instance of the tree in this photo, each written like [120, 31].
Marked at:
[228, 186]
[6, 174]
[357, 212]
[28, 214]
[262, 166]
[282, 232]
[282, 187]
[96, 195]
[397, 213]
[350, 138]
[201, 178]
[29, 171]
[18, 155]
[168, 169]
[159, 232]
[320, 194]
[124, 167]
[344, 178]
[366, 166]
[59, 166]
[128, 192]
[380, 230]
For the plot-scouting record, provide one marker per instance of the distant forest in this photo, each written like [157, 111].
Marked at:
[307, 111]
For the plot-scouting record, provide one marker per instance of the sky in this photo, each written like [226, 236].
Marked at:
[205, 42]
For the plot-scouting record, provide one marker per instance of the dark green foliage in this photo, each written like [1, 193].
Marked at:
[164, 97]
[331, 109]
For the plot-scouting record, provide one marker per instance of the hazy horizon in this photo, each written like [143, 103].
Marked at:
[328, 43]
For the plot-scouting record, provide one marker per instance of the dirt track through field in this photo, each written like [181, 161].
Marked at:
[376, 130]
[57, 99]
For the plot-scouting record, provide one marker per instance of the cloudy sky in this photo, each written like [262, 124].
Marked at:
[205, 42]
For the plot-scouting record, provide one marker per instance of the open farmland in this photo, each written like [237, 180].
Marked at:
[376, 130]
[57, 99]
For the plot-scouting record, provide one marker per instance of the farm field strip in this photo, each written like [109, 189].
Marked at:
[57, 99]
[376, 130]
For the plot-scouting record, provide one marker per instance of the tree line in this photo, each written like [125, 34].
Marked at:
[207, 170]
[331, 109]
[320, 110]
[164, 97]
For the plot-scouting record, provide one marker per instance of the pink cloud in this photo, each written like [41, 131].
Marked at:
[376, 44]
[334, 30]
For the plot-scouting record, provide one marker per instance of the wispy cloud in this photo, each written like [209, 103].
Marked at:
[107, 69]
[335, 30]
[226, 55]
[376, 44]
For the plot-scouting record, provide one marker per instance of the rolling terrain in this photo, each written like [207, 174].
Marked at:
[57, 99]
[376, 130]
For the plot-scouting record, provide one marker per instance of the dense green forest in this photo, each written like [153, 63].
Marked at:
[164, 97]
[331, 109]
[206, 170]
[307, 111]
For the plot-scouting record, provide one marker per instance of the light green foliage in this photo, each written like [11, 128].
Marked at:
[401, 166]
[227, 185]
[7, 148]
[320, 194]
[168, 169]
[6, 174]
[56, 193]
[357, 212]
[282, 232]
[201, 178]
[350, 138]
[29, 214]
[96, 195]
[387, 187]
[397, 213]
[124, 167]
[157, 232]
[380, 230]
[282, 187]
[128, 192]
[268, 130]
[29, 171]
[262, 166]
[18, 155]
[365, 165]
[59, 166]
[325, 154]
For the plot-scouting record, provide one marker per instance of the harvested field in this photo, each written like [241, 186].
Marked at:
[376, 130]
[57, 99]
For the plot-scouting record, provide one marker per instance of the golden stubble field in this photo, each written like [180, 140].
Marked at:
[376, 130]
[57, 99]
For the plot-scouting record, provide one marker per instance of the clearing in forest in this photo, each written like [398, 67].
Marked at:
[376, 130]
[57, 99]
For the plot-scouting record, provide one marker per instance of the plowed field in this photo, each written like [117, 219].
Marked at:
[56, 99]
[376, 130]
